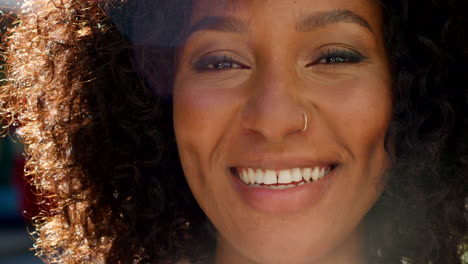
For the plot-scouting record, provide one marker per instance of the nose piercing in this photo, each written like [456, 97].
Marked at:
[305, 122]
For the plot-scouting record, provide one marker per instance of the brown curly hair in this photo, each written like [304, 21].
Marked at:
[90, 93]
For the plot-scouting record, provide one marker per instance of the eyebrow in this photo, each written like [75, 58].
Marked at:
[219, 23]
[321, 19]
[305, 23]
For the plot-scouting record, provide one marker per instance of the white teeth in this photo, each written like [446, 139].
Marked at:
[251, 174]
[315, 173]
[322, 173]
[307, 173]
[270, 177]
[284, 176]
[259, 176]
[296, 175]
[244, 176]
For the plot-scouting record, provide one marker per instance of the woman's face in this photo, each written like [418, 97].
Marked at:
[247, 74]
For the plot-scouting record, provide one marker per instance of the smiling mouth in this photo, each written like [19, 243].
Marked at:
[281, 179]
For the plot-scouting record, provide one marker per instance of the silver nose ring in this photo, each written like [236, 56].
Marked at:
[305, 122]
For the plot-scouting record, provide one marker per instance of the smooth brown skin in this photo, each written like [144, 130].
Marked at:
[232, 116]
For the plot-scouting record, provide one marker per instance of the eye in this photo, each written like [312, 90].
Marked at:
[217, 63]
[339, 56]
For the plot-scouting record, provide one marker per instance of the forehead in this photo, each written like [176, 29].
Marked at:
[285, 11]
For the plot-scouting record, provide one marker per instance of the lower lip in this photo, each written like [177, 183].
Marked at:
[286, 201]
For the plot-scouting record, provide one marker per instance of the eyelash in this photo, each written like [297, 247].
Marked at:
[338, 56]
[224, 62]
[217, 63]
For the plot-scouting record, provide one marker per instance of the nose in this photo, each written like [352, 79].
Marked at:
[275, 109]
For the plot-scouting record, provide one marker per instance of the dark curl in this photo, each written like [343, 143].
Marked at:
[91, 94]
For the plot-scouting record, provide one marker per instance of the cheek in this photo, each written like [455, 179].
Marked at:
[370, 118]
[199, 116]
[202, 117]
[190, 128]
[362, 132]
[192, 125]
[359, 114]
[204, 108]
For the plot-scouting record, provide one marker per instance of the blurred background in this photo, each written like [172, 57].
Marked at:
[17, 202]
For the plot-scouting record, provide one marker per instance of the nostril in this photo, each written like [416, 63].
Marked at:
[275, 128]
[275, 113]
